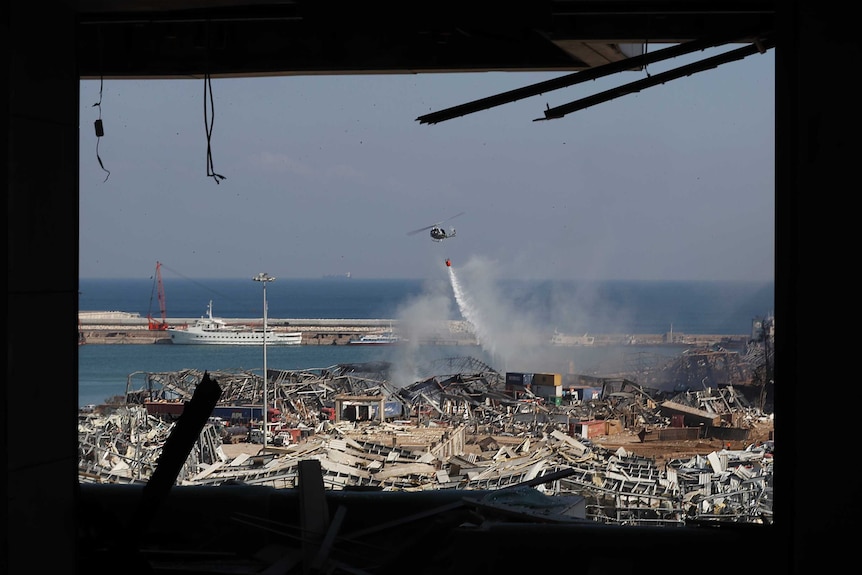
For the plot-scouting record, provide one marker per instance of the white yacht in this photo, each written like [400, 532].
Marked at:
[211, 330]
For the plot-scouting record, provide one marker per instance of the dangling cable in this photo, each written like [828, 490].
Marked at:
[646, 43]
[100, 129]
[208, 124]
[646, 49]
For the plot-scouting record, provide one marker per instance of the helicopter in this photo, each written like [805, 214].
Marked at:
[438, 233]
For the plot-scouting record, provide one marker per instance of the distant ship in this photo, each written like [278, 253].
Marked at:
[562, 339]
[345, 275]
[211, 330]
[383, 338]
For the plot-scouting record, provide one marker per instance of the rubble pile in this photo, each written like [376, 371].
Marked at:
[460, 430]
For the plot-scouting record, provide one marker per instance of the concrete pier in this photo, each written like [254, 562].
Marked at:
[123, 328]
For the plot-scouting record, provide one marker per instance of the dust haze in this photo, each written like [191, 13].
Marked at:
[513, 327]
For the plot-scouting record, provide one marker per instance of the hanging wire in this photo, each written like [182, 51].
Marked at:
[208, 124]
[646, 43]
[100, 128]
[646, 49]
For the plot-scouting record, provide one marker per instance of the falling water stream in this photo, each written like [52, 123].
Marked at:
[471, 313]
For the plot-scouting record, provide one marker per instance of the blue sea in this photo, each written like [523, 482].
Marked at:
[505, 308]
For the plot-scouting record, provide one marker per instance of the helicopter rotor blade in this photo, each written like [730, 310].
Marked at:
[421, 229]
[434, 225]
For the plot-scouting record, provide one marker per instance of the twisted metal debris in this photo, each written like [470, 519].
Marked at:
[511, 441]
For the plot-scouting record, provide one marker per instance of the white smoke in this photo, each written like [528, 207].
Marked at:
[513, 337]
[513, 329]
[424, 318]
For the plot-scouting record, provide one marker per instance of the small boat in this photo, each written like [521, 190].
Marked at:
[211, 330]
[383, 338]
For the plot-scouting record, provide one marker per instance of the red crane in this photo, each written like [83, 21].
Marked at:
[152, 324]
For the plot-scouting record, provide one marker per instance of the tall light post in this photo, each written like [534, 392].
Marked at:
[264, 278]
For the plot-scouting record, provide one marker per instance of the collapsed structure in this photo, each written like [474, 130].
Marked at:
[462, 426]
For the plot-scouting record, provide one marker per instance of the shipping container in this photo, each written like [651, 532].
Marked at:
[165, 408]
[582, 393]
[548, 379]
[518, 378]
[238, 414]
[593, 428]
[547, 391]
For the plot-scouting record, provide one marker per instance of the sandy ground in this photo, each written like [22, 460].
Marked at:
[660, 451]
[232, 450]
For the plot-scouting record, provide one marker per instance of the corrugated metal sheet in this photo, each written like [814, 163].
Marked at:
[693, 416]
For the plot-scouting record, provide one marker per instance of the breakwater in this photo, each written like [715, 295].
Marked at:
[125, 328]
[121, 328]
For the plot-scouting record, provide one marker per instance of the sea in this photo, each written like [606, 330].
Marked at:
[501, 314]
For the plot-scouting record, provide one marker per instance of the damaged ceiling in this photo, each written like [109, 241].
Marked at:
[188, 38]
[250, 38]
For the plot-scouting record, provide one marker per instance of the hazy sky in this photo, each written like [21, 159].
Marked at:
[328, 174]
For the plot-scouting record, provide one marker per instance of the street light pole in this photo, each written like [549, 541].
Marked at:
[264, 278]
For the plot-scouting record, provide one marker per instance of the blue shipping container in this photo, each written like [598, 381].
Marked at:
[238, 413]
[517, 378]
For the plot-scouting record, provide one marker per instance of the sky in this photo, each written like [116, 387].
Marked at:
[326, 175]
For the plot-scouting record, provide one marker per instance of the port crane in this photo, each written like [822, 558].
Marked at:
[152, 324]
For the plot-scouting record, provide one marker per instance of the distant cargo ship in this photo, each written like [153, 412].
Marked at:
[345, 275]
[211, 330]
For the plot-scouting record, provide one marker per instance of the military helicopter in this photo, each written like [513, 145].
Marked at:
[438, 233]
